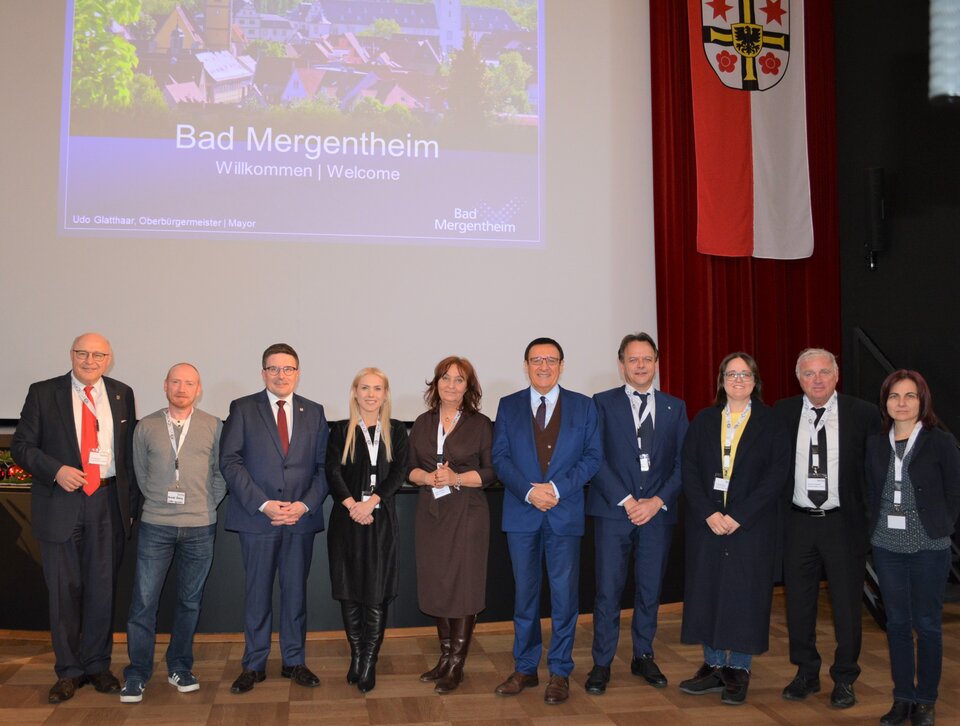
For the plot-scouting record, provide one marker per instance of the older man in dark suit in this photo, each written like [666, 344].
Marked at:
[75, 437]
[633, 502]
[825, 525]
[272, 453]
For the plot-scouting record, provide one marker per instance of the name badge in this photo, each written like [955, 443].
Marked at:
[440, 492]
[369, 489]
[176, 497]
[896, 521]
[644, 462]
[816, 483]
[100, 458]
[720, 484]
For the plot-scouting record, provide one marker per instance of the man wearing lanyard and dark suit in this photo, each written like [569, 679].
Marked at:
[272, 455]
[546, 447]
[75, 437]
[825, 525]
[633, 500]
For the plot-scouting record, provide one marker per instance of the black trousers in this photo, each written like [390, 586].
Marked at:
[81, 577]
[812, 543]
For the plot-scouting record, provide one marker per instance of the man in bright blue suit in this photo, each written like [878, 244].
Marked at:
[633, 500]
[546, 446]
[272, 455]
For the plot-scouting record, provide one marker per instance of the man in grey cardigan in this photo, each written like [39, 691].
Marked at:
[176, 453]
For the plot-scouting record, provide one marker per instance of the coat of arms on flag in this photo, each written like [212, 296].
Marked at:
[747, 42]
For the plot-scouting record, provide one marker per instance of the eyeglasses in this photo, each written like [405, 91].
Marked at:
[738, 376]
[540, 360]
[277, 370]
[84, 354]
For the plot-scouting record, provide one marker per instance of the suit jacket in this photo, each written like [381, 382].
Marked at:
[934, 471]
[46, 439]
[857, 420]
[575, 460]
[619, 474]
[256, 470]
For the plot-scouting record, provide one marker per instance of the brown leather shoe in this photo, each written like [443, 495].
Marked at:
[63, 690]
[516, 683]
[103, 682]
[558, 690]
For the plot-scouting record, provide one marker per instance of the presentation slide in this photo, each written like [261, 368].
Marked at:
[356, 119]
[149, 153]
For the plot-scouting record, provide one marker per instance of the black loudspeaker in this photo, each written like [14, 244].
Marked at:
[876, 214]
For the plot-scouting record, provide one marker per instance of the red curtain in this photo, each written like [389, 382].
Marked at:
[710, 306]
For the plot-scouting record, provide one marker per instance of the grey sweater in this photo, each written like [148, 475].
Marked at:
[201, 483]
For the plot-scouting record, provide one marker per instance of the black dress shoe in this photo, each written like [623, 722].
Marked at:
[301, 675]
[246, 681]
[801, 687]
[705, 680]
[597, 680]
[843, 695]
[923, 715]
[103, 682]
[63, 690]
[646, 667]
[736, 681]
[898, 714]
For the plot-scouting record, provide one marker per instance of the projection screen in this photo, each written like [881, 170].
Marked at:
[351, 201]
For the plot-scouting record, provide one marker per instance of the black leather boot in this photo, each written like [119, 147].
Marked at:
[461, 632]
[443, 632]
[374, 623]
[353, 625]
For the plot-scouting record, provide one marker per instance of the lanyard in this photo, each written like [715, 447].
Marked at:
[86, 401]
[173, 440]
[442, 436]
[373, 445]
[815, 428]
[634, 403]
[731, 432]
[897, 461]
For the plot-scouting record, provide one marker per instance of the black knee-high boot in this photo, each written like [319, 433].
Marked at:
[374, 623]
[443, 632]
[353, 625]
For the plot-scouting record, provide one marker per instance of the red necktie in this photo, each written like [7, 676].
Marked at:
[89, 442]
[282, 428]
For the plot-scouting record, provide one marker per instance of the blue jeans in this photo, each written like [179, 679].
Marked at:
[913, 587]
[729, 658]
[158, 546]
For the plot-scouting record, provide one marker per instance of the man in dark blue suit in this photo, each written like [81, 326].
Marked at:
[272, 454]
[633, 500]
[546, 446]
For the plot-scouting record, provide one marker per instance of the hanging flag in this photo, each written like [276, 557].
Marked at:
[750, 128]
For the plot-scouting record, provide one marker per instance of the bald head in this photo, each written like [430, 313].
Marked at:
[90, 355]
[182, 388]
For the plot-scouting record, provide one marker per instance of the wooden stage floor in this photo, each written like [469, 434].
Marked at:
[26, 673]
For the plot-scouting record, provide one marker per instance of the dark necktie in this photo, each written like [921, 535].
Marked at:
[818, 498]
[282, 428]
[645, 431]
[542, 413]
[88, 442]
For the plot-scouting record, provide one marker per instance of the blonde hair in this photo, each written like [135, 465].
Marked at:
[350, 444]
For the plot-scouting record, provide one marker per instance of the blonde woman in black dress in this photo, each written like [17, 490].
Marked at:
[366, 466]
